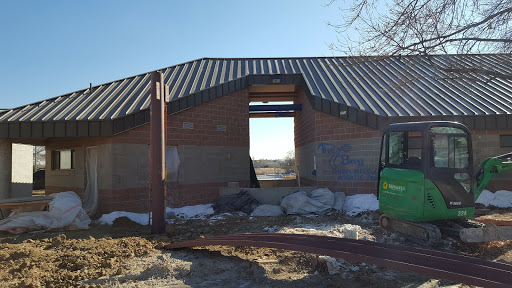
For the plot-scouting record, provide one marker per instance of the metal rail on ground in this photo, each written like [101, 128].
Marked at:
[435, 264]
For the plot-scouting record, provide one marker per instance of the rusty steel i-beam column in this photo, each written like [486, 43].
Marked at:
[158, 123]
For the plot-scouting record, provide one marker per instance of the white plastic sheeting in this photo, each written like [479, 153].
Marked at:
[356, 204]
[339, 200]
[501, 198]
[300, 203]
[65, 211]
[172, 163]
[324, 196]
[91, 189]
[267, 210]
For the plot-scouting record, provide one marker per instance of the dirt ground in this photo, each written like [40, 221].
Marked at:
[127, 255]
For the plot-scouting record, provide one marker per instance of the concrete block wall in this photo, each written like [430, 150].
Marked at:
[22, 170]
[68, 179]
[209, 158]
[16, 165]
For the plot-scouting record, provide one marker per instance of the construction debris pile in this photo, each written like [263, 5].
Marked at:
[65, 212]
[319, 201]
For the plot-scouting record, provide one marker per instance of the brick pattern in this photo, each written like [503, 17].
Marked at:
[230, 110]
[313, 127]
[130, 199]
[180, 195]
[304, 121]
[326, 128]
[486, 143]
[349, 188]
[316, 126]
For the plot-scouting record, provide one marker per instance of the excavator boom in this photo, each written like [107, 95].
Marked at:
[488, 168]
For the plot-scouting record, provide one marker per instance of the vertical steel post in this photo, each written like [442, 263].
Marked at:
[158, 146]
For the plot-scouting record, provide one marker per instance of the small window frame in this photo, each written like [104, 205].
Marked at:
[57, 159]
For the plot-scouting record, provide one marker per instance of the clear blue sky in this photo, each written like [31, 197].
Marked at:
[49, 48]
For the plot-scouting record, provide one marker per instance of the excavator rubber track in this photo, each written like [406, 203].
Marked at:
[422, 233]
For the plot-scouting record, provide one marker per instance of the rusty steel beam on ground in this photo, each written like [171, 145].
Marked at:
[434, 264]
[158, 137]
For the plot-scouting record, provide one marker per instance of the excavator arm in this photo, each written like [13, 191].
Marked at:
[488, 168]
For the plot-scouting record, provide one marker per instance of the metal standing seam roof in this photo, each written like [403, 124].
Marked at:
[375, 87]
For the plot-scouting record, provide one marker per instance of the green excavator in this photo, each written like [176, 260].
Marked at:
[427, 186]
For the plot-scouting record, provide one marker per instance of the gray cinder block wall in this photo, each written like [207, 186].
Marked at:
[16, 165]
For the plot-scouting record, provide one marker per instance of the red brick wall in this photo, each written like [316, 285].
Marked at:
[315, 126]
[486, 144]
[312, 126]
[204, 193]
[304, 121]
[231, 110]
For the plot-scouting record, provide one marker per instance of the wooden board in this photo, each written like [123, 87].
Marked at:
[26, 199]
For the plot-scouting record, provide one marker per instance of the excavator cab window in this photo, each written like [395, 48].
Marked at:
[404, 150]
[450, 150]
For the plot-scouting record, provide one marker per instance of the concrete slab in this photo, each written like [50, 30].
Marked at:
[266, 195]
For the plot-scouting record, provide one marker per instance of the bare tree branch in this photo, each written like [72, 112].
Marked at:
[426, 27]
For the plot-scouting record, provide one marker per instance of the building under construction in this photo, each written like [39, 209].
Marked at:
[97, 139]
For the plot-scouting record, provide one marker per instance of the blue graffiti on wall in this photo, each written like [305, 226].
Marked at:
[343, 164]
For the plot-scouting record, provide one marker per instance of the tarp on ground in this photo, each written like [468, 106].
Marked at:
[65, 211]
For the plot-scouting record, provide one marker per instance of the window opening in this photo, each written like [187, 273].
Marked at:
[63, 159]
[405, 149]
[450, 151]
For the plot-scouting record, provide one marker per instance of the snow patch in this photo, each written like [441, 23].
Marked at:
[188, 212]
[356, 204]
[108, 219]
[191, 212]
[501, 198]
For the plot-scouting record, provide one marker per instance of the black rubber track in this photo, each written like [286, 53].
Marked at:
[434, 264]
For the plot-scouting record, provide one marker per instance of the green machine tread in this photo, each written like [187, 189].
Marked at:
[422, 233]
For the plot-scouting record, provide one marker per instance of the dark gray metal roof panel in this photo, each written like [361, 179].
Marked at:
[407, 86]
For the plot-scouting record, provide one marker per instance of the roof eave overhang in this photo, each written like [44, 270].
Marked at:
[111, 127]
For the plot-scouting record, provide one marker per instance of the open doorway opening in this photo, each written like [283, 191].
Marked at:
[39, 171]
[271, 128]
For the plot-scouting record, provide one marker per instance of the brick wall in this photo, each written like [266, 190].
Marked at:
[346, 153]
[314, 129]
[231, 111]
[486, 143]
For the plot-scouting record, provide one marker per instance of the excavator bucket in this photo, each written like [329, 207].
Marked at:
[488, 233]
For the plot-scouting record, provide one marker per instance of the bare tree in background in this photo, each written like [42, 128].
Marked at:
[425, 27]
[39, 157]
[289, 161]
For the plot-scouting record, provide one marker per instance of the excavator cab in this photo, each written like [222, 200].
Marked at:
[426, 171]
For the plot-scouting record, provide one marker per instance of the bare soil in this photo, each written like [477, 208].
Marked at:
[127, 255]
